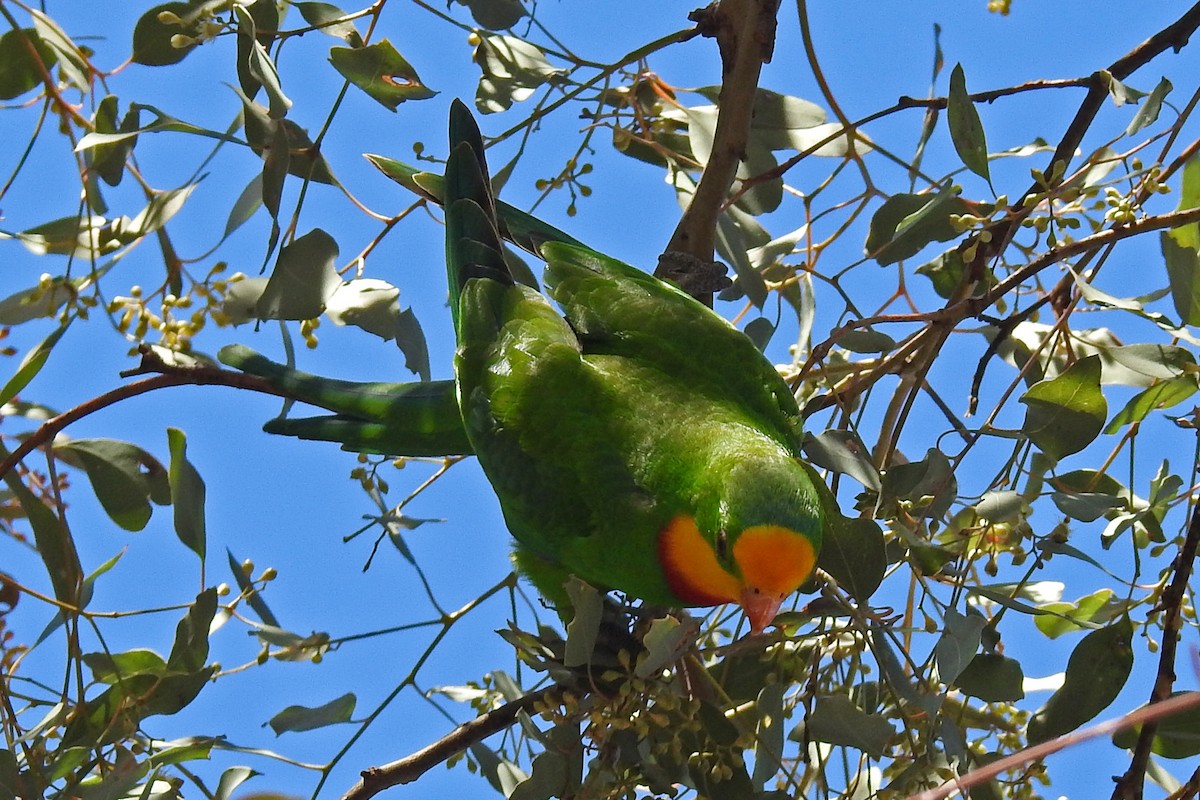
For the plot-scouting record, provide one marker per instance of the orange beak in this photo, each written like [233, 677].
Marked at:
[761, 608]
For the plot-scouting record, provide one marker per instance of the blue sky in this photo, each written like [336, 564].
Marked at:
[288, 504]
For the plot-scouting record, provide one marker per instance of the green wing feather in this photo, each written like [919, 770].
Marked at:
[420, 418]
[620, 310]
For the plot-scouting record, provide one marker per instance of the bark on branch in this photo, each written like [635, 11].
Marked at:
[745, 34]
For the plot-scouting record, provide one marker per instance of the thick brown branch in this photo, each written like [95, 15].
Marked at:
[1129, 786]
[745, 34]
[409, 768]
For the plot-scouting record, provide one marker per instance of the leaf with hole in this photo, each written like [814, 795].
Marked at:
[380, 71]
[124, 477]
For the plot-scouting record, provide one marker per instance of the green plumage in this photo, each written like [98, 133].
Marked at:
[598, 425]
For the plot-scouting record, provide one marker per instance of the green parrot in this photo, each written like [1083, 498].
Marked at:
[635, 440]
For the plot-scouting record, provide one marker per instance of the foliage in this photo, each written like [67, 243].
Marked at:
[994, 344]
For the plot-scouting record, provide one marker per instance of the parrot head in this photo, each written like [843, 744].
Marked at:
[757, 548]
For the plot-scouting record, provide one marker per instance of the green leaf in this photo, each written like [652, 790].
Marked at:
[187, 494]
[928, 486]
[1071, 617]
[558, 770]
[113, 668]
[251, 594]
[760, 330]
[124, 477]
[244, 207]
[331, 21]
[1162, 395]
[495, 14]
[380, 71]
[1145, 364]
[152, 44]
[52, 539]
[255, 67]
[853, 553]
[958, 644]
[1087, 506]
[584, 626]
[19, 70]
[836, 720]
[302, 718]
[231, 779]
[108, 160]
[11, 785]
[287, 149]
[1183, 274]
[72, 63]
[1064, 414]
[1118, 91]
[769, 736]
[1175, 736]
[906, 223]
[866, 341]
[31, 365]
[1149, 110]
[966, 129]
[1096, 672]
[664, 643]
[190, 650]
[948, 271]
[304, 278]
[992, 678]
[844, 452]
[512, 69]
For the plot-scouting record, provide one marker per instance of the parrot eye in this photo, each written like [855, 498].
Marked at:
[722, 545]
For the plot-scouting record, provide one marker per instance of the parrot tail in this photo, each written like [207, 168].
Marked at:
[473, 244]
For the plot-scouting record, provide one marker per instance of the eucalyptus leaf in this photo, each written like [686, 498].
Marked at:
[1096, 672]
[1064, 414]
[302, 718]
[187, 494]
[966, 129]
[303, 280]
[20, 71]
[124, 477]
[380, 71]
[993, 678]
[836, 720]
[331, 21]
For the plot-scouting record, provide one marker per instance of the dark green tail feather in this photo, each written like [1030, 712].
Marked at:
[473, 244]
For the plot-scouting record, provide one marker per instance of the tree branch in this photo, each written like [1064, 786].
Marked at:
[1129, 786]
[745, 34]
[1030, 754]
[409, 768]
[169, 375]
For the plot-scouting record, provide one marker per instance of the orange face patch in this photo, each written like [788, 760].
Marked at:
[774, 560]
[691, 567]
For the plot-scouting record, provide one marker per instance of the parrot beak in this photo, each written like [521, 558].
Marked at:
[761, 608]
